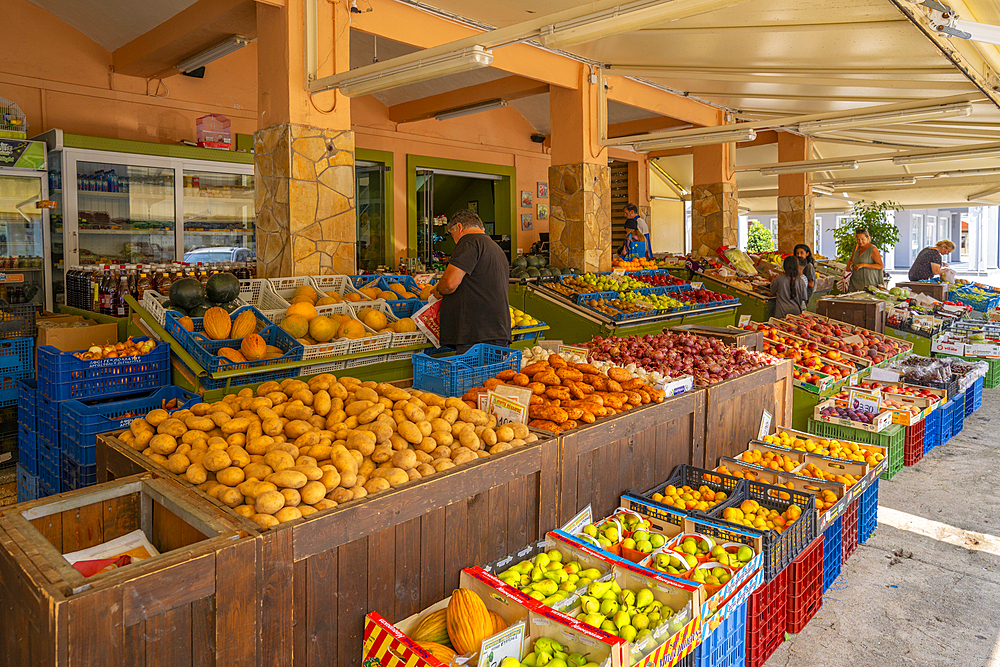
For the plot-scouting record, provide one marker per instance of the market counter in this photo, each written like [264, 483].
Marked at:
[921, 344]
[760, 308]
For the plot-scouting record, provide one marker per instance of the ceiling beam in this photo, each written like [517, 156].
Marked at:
[203, 24]
[662, 102]
[763, 138]
[508, 88]
[789, 79]
[776, 27]
[645, 125]
[876, 71]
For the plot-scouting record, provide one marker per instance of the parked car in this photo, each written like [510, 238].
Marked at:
[219, 254]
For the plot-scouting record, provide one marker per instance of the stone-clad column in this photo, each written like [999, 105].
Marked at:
[796, 215]
[714, 211]
[580, 216]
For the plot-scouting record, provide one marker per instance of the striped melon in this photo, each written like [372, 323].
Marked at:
[433, 628]
[469, 621]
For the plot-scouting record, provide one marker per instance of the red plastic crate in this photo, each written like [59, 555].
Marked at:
[913, 449]
[767, 616]
[805, 587]
[849, 538]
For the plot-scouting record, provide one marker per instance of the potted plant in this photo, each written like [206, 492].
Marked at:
[873, 217]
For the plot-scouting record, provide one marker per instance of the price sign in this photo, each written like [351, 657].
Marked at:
[506, 644]
[7, 278]
[424, 278]
[519, 394]
[576, 524]
[883, 375]
[507, 410]
[744, 320]
[696, 285]
[45, 203]
[863, 402]
[765, 424]
[853, 340]
[573, 349]
[618, 272]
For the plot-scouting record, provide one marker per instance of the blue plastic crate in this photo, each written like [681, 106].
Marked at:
[49, 428]
[205, 351]
[963, 296]
[26, 391]
[958, 415]
[80, 422]
[209, 384]
[49, 468]
[974, 397]
[725, 646]
[15, 364]
[932, 430]
[868, 513]
[453, 376]
[832, 552]
[17, 320]
[947, 421]
[76, 476]
[27, 450]
[61, 376]
[405, 307]
[27, 485]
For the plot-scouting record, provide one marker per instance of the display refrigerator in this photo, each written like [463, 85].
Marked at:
[133, 202]
[24, 275]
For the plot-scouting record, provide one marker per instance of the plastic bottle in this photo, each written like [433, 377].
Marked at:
[119, 304]
[106, 290]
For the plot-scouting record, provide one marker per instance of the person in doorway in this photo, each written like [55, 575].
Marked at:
[930, 261]
[803, 252]
[865, 263]
[474, 307]
[789, 289]
[632, 213]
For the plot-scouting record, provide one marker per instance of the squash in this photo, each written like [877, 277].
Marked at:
[217, 324]
[433, 628]
[253, 347]
[186, 323]
[232, 355]
[469, 621]
[244, 324]
[439, 651]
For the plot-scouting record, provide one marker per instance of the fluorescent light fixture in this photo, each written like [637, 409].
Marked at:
[808, 168]
[959, 173]
[871, 182]
[968, 154]
[695, 140]
[623, 18]
[890, 118]
[234, 43]
[821, 190]
[415, 72]
[471, 109]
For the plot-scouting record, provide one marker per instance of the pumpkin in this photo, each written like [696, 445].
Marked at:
[253, 347]
[439, 651]
[469, 621]
[217, 324]
[186, 323]
[232, 355]
[244, 324]
[433, 628]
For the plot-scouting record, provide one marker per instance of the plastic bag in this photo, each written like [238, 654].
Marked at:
[428, 320]
[844, 283]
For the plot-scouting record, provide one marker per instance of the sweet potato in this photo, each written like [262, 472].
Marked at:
[558, 393]
[619, 374]
[587, 369]
[545, 425]
[549, 413]
[556, 361]
[537, 367]
[520, 379]
[506, 375]
[536, 388]
[547, 378]
[566, 373]
[632, 385]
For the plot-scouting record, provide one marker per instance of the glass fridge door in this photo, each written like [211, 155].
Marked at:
[425, 217]
[125, 213]
[22, 276]
[373, 237]
[218, 217]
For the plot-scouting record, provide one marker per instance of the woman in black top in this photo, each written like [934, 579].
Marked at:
[930, 261]
[803, 252]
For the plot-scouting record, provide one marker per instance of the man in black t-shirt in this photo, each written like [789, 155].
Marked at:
[474, 307]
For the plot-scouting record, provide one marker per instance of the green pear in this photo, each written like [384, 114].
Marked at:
[599, 588]
[510, 662]
[537, 574]
[542, 560]
[642, 635]
[644, 597]
[590, 604]
[745, 554]
[628, 598]
[611, 533]
[544, 657]
[535, 594]
[640, 621]
[595, 620]
[691, 560]
[621, 619]
[645, 546]
[558, 576]
[657, 540]
[547, 587]
[577, 659]
[627, 633]
[591, 573]
[573, 578]
[604, 542]
[548, 645]
[590, 529]
[557, 662]
[718, 572]
[572, 568]
[555, 555]
[688, 546]
[640, 535]
[615, 587]
[609, 607]
[583, 582]
[653, 616]
[567, 586]
[610, 627]
[530, 660]
[552, 599]
[628, 543]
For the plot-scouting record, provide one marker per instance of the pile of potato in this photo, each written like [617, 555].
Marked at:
[298, 447]
[565, 395]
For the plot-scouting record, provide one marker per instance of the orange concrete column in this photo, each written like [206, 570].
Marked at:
[714, 212]
[579, 181]
[796, 213]
[304, 149]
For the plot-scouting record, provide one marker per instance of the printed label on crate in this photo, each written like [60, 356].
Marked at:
[506, 644]
[765, 424]
[696, 285]
[744, 320]
[573, 349]
[853, 340]
[423, 278]
[864, 402]
[883, 375]
[576, 524]
[506, 409]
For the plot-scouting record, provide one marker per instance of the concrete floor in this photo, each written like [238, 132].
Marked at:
[925, 589]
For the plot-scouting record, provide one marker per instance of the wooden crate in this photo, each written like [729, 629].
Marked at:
[189, 605]
[752, 340]
[634, 450]
[733, 409]
[394, 553]
[865, 314]
[937, 290]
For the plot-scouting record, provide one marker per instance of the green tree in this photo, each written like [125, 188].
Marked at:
[872, 216]
[759, 238]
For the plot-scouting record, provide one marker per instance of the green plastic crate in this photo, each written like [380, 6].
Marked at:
[992, 379]
[892, 438]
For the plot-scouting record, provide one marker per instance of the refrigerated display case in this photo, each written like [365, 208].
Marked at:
[24, 276]
[132, 202]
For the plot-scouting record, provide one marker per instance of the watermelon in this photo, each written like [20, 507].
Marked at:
[544, 260]
[519, 273]
[187, 293]
[533, 272]
[519, 263]
[222, 287]
[176, 310]
[199, 310]
[535, 262]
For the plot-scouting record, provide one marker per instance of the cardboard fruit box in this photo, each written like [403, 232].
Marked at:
[824, 383]
[936, 397]
[873, 471]
[882, 420]
[665, 529]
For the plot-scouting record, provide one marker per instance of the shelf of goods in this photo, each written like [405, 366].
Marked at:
[573, 322]
[759, 306]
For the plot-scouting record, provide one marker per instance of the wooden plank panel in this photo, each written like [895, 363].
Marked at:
[332, 578]
[381, 571]
[352, 588]
[299, 647]
[276, 579]
[168, 638]
[407, 569]
[159, 591]
[432, 557]
[569, 471]
[237, 583]
[517, 514]
[94, 630]
[456, 535]
[584, 483]
[479, 529]
[203, 641]
[51, 529]
[83, 527]
[121, 516]
[134, 652]
[498, 524]
[540, 518]
[170, 532]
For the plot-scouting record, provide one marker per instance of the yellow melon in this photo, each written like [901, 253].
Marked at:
[405, 325]
[296, 325]
[327, 301]
[408, 295]
[426, 292]
[397, 288]
[375, 320]
[302, 299]
[370, 292]
[322, 328]
[333, 294]
[388, 296]
[352, 329]
[353, 298]
[305, 290]
[306, 310]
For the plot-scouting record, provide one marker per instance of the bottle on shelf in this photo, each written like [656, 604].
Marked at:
[95, 290]
[143, 283]
[106, 290]
[163, 280]
[119, 306]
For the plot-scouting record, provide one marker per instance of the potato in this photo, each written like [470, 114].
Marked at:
[469, 439]
[425, 428]
[196, 423]
[196, 455]
[244, 510]
[296, 427]
[235, 425]
[413, 413]
[382, 453]
[464, 457]
[505, 433]
[279, 460]
[440, 425]
[236, 440]
[340, 495]
[357, 407]
[296, 411]
[139, 424]
[221, 406]
[520, 430]
[404, 459]
[430, 444]
[231, 476]
[238, 456]
[366, 394]
[286, 514]
[489, 437]
[172, 427]
[142, 439]
[269, 502]
[369, 415]
[216, 489]
[248, 488]
[500, 447]
[216, 460]
[288, 479]
[231, 497]
[163, 444]
[394, 476]
[325, 504]
[191, 437]
[440, 465]
[312, 492]
[362, 441]
[477, 417]
[178, 463]
[265, 521]
[157, 417]
[425, 469]
[292, 497]
[259, 444]
[311, 472]
[373, 486]
[330, 478]
[306, 510]
[382, 431]
[516, 442]
[410, 432]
